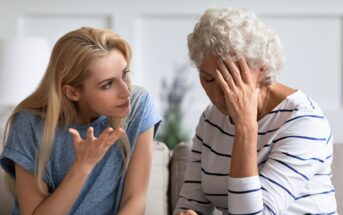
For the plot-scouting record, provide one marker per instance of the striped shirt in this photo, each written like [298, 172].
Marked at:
[294, 155]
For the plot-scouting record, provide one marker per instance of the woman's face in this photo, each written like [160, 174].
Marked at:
[212, 88]
[206, 74]
[107, 90]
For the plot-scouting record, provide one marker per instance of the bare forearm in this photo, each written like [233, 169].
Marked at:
[63, 198]
[244, 155]
[133, 205]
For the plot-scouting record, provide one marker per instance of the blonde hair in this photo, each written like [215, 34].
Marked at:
[69, 64]
[237, 32]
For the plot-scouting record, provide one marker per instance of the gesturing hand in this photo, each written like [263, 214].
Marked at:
[91, 150]
[187, 212]
[241, 94]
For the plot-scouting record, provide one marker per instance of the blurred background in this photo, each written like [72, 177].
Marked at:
[310, 30]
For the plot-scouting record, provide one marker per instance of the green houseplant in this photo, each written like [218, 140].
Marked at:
[173, 94]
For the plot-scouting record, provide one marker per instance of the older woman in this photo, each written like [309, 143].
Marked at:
[261, 147]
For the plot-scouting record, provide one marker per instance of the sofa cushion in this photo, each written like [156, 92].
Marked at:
[178, 167]
[177, 170]
[157, 197]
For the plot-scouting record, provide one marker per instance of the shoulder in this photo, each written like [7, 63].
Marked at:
[26, 118]
[137, 93]
[294, 107]
[301, 103]
[139, 98]
[143, 114]
[142, 105]
[301, 115]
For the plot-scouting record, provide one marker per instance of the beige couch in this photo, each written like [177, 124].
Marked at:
[167, 176]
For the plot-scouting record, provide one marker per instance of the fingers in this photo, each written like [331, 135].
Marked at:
[191, 212]
[104, 135]
[238, 72]
[75, 135]
[115, 135]
[245, 71]
[90, 134]
[223, 70]
[233, 69]
[111, 136]
[107, 137]
[223, 84]
[188, 212]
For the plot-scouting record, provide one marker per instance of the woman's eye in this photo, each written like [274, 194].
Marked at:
[209, 80]
[125, 74]
[206, 77]
[107, 85]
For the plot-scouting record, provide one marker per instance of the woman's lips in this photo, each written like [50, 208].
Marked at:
[124, 105]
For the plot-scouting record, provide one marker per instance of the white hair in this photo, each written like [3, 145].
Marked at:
[238, 33]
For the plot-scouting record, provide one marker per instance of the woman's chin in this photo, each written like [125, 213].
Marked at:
[121, 114]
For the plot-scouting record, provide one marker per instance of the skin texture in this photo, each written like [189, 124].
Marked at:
[104, 92]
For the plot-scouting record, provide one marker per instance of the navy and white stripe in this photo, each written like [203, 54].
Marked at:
[294, 153]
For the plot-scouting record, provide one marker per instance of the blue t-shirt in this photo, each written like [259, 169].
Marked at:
[102, 191]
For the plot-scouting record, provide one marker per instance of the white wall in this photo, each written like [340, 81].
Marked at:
[311, 32]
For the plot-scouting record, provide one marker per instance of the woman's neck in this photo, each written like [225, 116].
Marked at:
[269, 100]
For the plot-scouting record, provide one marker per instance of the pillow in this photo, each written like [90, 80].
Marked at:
[178, 167]
[157, 196]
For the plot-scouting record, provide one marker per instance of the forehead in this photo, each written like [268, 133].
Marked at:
[209, 64]
[108, 65]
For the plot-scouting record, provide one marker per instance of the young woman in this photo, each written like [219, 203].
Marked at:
[261, 147]
[82, 142]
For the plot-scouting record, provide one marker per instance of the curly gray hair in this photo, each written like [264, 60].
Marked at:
[237, 32]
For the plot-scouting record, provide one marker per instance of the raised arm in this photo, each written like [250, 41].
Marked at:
[88, 153]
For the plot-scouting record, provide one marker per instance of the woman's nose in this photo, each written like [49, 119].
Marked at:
[124, 90]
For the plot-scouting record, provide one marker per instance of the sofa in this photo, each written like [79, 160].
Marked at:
[167, 176]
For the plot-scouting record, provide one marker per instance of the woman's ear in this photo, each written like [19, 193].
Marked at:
[71, 93]
[262, 72]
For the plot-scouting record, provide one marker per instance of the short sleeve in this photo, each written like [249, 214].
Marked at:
[143, 114]
[21, 144]
[150, 116]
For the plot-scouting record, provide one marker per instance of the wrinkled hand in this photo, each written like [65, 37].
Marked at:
[187, 212]
[241, 94]
[91, 150]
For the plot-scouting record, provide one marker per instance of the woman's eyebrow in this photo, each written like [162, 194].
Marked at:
[112, 78]
[207, 73]
[106, 80]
